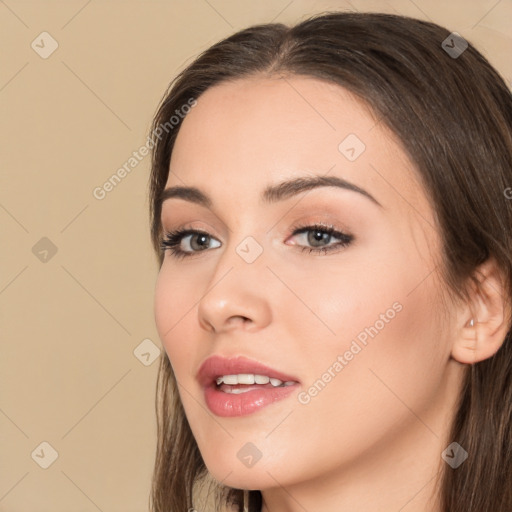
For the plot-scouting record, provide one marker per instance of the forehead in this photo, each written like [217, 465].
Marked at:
[281, 114]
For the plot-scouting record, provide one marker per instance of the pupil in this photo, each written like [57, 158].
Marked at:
[318, 236]
[202, 244]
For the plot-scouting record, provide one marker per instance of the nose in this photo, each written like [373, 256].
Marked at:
[237, 296]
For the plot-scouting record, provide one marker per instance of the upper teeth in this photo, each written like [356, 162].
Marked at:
[250, 378]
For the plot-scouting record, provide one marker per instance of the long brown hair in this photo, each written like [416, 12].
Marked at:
[452, 114]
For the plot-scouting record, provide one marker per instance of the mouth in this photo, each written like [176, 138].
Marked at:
[241, 386]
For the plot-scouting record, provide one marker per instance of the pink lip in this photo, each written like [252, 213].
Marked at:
[227, 404]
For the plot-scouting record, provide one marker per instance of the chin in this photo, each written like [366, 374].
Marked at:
[234, 474]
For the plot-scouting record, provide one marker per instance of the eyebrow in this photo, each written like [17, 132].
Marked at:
[271, 194]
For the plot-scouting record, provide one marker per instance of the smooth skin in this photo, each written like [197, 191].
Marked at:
[372, 438]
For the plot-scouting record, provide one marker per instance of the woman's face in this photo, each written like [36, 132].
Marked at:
[358, 328]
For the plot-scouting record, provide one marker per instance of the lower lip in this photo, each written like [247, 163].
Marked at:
[230, 404]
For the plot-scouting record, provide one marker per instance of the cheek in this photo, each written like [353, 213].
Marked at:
[366, 405]
[174, 315]
[374, 344]
[383, 300]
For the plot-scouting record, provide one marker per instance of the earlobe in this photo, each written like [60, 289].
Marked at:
[486, 319]
[465, 349]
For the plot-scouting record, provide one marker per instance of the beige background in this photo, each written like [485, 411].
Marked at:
[70, 321]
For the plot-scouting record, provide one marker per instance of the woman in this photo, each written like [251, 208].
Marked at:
[332, 218]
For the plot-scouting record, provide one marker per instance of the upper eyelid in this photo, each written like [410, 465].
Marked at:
[295, 231]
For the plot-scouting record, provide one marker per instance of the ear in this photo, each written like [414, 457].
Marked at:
[490, 310]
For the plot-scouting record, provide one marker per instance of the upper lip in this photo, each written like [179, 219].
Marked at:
[216, 366]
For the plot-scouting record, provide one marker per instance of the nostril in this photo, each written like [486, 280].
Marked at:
[238, 319]
[208, 326]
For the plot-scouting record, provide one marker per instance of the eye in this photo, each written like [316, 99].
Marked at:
[198, 241]
[319, 236]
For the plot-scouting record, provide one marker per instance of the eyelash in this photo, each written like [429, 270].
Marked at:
[173, 239]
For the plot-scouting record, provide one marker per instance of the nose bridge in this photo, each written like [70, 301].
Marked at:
[245, 249]
[238, 286]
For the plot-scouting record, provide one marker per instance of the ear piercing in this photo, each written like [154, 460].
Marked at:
[471, 323]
